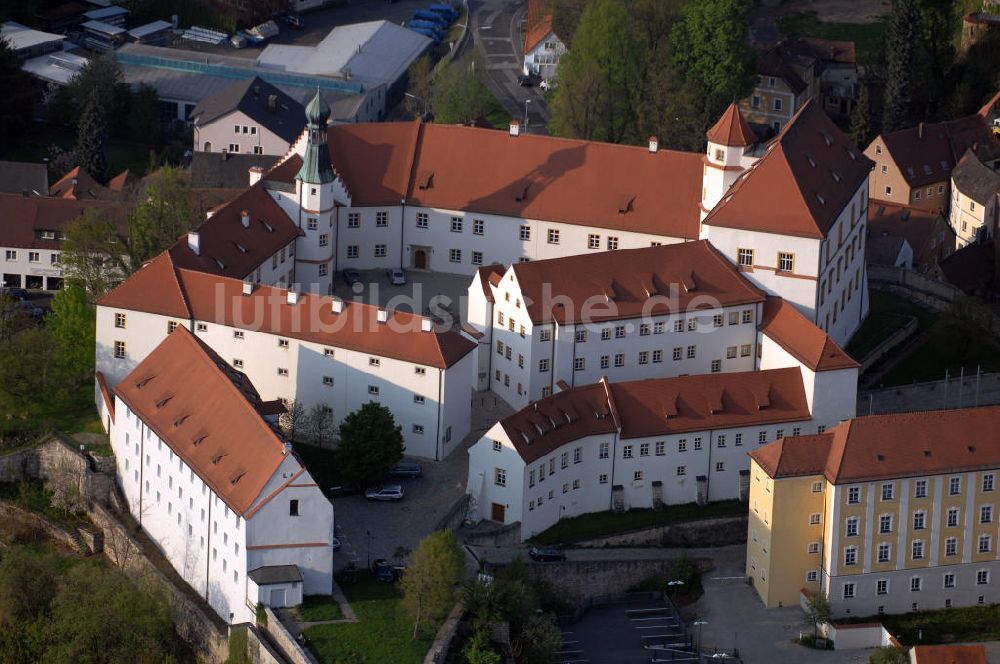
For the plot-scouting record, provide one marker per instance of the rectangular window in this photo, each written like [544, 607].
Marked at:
[612, 243]
[691, 352]
[593, 241]
[984, 543]
[852, 527]
[916, 584]
[421, 220]
[814, 519]
[954, 486]
[525, 232]
[887, 491]
[681, 470]
[716, 366]
[917, 550]
[603, 451]
[919, 520]
[120, 349]
[380, 250]
[553, 236]
[619, 332]
[850, 556]
[500, 477]
[951, 546]
[882, 587]
[543, 365]
[373, 390]
[988, 483]
[982, 577]
[884, 552]
[352, 251]
[745, 257]
[455, 255]
[920, 489]
[644, 357]
[952, 517]
[657, 356]
[477, 258]
[786, 262]
[579, 364]
[986, 514]
[353, 219]
[854, 495]
[619, 359]
[885, 523]
[381, 219]
[627, 452]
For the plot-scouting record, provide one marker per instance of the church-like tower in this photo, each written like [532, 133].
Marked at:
[728, 140]
[316, 190]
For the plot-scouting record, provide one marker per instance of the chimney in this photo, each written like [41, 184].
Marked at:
[337, 306]
[920, 131]
[515, 128]
[272, 103]
[383, 315]
[247, 288]
[194, 242]
[245, 219]
[293, 297]
[654, 144]
[425, 325]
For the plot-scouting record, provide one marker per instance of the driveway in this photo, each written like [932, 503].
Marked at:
[497, 33]
[450, 291]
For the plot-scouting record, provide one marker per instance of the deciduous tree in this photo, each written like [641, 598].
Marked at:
[370, 444]
[93, 255]
[71, 322]
[321, 423]
[816, 612]
[431, 581]
[459, 96]
[161, 214]
[293, 420]
[419, 86]
[29, 379]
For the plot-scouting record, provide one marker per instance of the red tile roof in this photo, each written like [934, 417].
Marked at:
[811, 346]
[897, 445]
[658, 407]
[917, 226]
[975, 654]
[162, 288]
[490, 275]
[85, 187]
[24, 219]
[539, 23]
[928, 152]
[209, 415]
[227, 248]
[799, 187]
[732, 129]
[619, 284]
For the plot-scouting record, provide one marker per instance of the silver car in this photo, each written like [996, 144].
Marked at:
[393, 492]
[396, 276]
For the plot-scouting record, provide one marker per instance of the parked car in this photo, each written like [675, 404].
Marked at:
[386, 571]
[406, 470]
[528, 80]
[391, 492]
[396, 276]
[292, 19]
[14, 293]
[545, 554]
[352, 276]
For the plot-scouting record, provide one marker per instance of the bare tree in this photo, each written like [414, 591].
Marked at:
[293, 420]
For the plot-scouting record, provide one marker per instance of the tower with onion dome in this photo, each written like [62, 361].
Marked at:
[316, 188]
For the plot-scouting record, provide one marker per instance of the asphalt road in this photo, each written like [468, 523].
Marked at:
[497, 37]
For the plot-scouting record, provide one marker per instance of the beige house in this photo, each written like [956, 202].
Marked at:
[974, 189]
[249, 117]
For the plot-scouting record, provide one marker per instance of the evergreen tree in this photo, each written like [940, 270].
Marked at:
[370, 444]
[935, 52]
[901, 36]
[861, 128]
[15, 111]
[101, 77]
[90, 136]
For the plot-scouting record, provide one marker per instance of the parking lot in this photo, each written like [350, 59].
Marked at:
[426, 293]
[620, 633]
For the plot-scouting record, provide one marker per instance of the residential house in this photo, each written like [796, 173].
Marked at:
[880, 514]
[542, 47]
[927, 232]
[249, 117]
[799, 70]
[889, 251]
[974, 188]
[208, 477]
[913, 166]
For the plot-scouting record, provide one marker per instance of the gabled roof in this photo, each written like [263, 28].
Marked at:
[285, 117]
[539, 24]
[490, 275]
[800, 186]
[829, 51]
[229, 249]
[881, 447]
[974, 654]
[916, 225]
[163, 288]
[619, 284]
[929, 151]
[774, 62]
[208, 413]
[122, 181]
[655, 407]
[78, 184]
[732, 129]
[811, 346]
[23, 220]
[975, 179]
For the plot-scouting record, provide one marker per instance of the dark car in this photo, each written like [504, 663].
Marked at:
[406, 470]
[14, 293]
[290, 18]
[386, 572]
[352, 276]
[528, 80]
[546, 554]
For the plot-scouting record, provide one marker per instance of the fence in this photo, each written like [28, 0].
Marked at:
[935, 294]
[969, 391]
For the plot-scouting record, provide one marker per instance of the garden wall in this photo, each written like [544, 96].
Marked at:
[722, 531]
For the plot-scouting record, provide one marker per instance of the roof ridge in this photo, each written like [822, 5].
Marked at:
[411, 166]
[180, 286]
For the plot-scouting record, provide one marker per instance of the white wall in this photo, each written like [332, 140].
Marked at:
[18, 263]
[221, 134]
[544, 58]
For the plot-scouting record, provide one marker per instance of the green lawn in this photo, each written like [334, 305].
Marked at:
[888, 313]
[603, 524]
[867, 37]
[121, 154]
[965, 624]
[384, 632]
[319, 607]
[952, 344]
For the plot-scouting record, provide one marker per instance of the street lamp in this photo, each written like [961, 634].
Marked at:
[526, 102]
[424, 103]
[697, 643]
[368, 556]
[675, 583]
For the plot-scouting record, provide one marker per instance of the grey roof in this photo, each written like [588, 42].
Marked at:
[215, 170]
[149, 29]
[20, 176]
[884, 249]
[270, 574]
[975, 179]
[251, 97]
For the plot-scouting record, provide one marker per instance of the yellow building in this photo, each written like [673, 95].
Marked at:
[882, 514]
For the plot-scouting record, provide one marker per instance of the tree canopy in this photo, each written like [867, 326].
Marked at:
[17, 106]
[71, 322]
[370, 444]
[93, 253]
[162, 213]
[431, 582]
[91, 133]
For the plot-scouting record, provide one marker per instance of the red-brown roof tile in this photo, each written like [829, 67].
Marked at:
[209, 415]
[619, 284]
[732, 129]
[787, 327]
[974, 654]
[795, 456]
[490, 275]
[800, 186]
[84, 187]
[928, 152]
[164, 289]
[644, 408]
[539, 23]
[25, 218]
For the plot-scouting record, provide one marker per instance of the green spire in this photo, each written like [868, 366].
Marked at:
[316, 168]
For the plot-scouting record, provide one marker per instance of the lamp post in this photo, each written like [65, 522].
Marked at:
[697, 643]
[526, 102]
[368, 555]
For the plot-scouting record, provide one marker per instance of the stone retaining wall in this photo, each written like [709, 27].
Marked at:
[445, 635]
[295, 652]
[705, 532]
